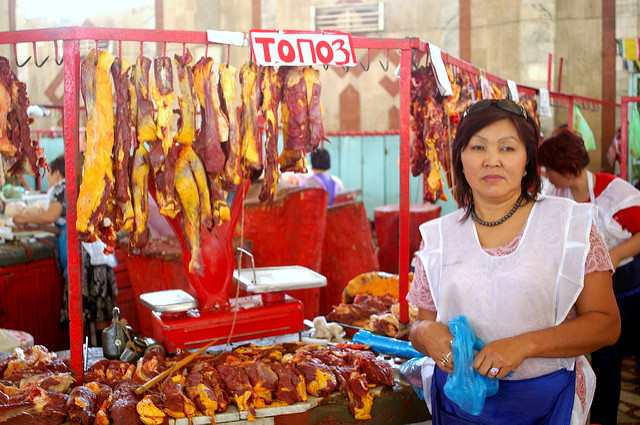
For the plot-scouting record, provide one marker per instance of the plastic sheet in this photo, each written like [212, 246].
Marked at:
[386, 345]
[411, 371]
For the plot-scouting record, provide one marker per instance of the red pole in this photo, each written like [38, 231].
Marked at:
[549, 71]
[560, 75]
[70, 118]
[624, 136]
[570, 118]
[403, 261]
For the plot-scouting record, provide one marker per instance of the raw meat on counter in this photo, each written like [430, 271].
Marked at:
[37, 388]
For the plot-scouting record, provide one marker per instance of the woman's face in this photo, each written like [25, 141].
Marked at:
[494, 162]
[558, 179]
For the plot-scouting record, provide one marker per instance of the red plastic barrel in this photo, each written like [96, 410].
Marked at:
[386, 222]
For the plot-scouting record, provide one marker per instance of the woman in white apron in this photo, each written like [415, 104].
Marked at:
[516, 265]
[565, 159]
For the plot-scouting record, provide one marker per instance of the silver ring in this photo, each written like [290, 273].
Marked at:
[494, 371]
[448, 356]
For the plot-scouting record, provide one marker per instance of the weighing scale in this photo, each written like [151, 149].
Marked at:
[181, 321]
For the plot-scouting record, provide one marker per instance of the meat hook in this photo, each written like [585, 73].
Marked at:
[55, 45]
[35, 57]
[164, 51]
[385, 68]
[368, 62]
[325, 66]
[15, 56]
[206, 49]
[184, 49]
[415, 64]
[141, 50]
[345, 69]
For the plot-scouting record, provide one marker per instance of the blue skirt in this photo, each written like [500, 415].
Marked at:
[626, 286]
[547, 399]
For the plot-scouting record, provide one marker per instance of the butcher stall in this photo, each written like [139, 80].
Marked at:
[197, 166]
[226, 338]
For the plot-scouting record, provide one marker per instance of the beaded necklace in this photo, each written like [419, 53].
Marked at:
[495, 223]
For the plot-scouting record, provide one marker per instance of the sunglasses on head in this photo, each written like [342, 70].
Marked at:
[504, 104]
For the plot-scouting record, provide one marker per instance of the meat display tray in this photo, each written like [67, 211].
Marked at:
[276, 279]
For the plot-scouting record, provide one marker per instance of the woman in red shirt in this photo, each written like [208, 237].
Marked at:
[565, 159]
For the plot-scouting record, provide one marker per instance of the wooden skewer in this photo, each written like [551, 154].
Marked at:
[149, 384]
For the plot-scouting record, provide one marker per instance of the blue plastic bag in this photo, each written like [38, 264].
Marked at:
[466, 387]
[386, 345]
[411, 371]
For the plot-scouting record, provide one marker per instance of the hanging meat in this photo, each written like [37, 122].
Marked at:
[428, 137]
[186, 101]
[19, 153]
[250, 75]
[163, 162]
[191, 187]
[271, 97]
[120, 72]
[295, 118]
[141, 168]
[316, 127]
[208, 144]
[97, 180]
[232, 170]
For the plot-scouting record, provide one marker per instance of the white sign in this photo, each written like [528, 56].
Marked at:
[513, 90]
[544, 106]
[441, 72]
[293, 48]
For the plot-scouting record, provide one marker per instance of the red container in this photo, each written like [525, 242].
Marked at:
[347, 251]
[387, 224]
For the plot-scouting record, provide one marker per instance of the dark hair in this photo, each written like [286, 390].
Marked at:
[468, 126]
[57, 165]
[564, 152]
[320, 159]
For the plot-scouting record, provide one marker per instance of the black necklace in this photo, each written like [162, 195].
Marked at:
[495, 223]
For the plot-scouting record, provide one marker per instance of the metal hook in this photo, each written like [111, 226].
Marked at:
[415, 54]
[345, 69]
[385, 68]
[325, 66]
[55, 45]
[15, 56]
[35, 57]
[368, 62]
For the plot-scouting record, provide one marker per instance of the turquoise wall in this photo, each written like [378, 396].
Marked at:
[371, 164]
[52, 148]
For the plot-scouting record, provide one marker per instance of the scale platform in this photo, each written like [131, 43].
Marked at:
[178, 324]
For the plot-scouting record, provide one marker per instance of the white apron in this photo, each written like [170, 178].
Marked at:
[617, 196]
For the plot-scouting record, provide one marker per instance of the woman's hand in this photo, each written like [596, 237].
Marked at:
[499, 358]
[19, 219]
[433, 338]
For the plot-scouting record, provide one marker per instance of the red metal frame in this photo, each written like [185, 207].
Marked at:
[624, 134]
[71, 37]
